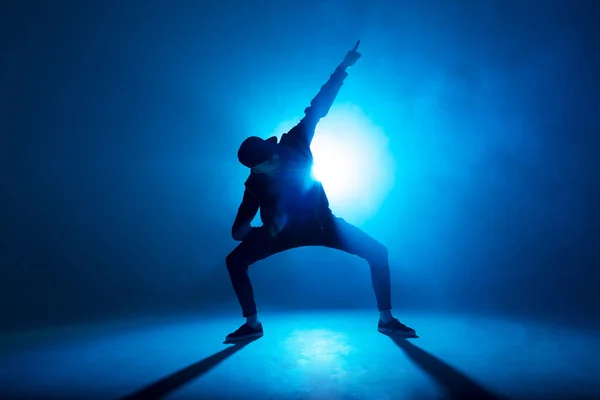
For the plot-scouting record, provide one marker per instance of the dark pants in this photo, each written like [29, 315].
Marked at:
[335, 233]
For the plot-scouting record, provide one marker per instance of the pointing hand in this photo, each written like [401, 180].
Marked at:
[351, 57]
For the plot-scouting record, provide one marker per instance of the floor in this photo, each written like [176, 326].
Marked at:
[324, 355]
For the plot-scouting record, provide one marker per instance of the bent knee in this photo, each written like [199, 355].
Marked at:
[378, 254]
[230, 261]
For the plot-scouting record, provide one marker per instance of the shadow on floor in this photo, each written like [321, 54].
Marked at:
[168, 384]
[458, 385]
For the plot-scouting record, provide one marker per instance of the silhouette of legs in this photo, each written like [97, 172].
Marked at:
[335, 233]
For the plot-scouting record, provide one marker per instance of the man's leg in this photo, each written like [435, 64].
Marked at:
[350, 239]
[257, 246]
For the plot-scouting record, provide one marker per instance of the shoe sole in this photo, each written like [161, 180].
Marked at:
[399, 333]
[243, 338]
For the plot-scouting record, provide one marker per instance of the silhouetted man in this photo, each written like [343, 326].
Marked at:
[295, 212]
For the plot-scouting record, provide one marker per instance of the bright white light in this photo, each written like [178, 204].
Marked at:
[352, 160]
[333, 164]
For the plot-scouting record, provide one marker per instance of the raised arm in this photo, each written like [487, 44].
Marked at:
[322, 102]
[246, 213]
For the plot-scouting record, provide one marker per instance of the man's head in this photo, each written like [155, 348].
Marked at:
[255, 151]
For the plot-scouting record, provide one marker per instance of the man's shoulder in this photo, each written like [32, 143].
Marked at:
[252, 177]
[255, 181]
[292, 138]
[291, 144]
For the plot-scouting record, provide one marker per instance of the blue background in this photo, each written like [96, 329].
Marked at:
[120, 123]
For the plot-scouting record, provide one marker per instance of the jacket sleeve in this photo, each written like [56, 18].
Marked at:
[319, 107]
[246, 213]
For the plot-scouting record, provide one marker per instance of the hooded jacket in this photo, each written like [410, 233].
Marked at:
[291, 196]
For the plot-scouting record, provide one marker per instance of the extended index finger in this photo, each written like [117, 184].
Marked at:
[356, 46]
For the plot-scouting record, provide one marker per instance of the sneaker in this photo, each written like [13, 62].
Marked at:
[396, 327]
[244, 332]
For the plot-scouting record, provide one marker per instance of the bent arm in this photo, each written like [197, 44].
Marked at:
[319, 108]
[246, 213]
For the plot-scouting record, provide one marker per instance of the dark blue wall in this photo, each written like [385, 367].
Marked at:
[120, 121]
